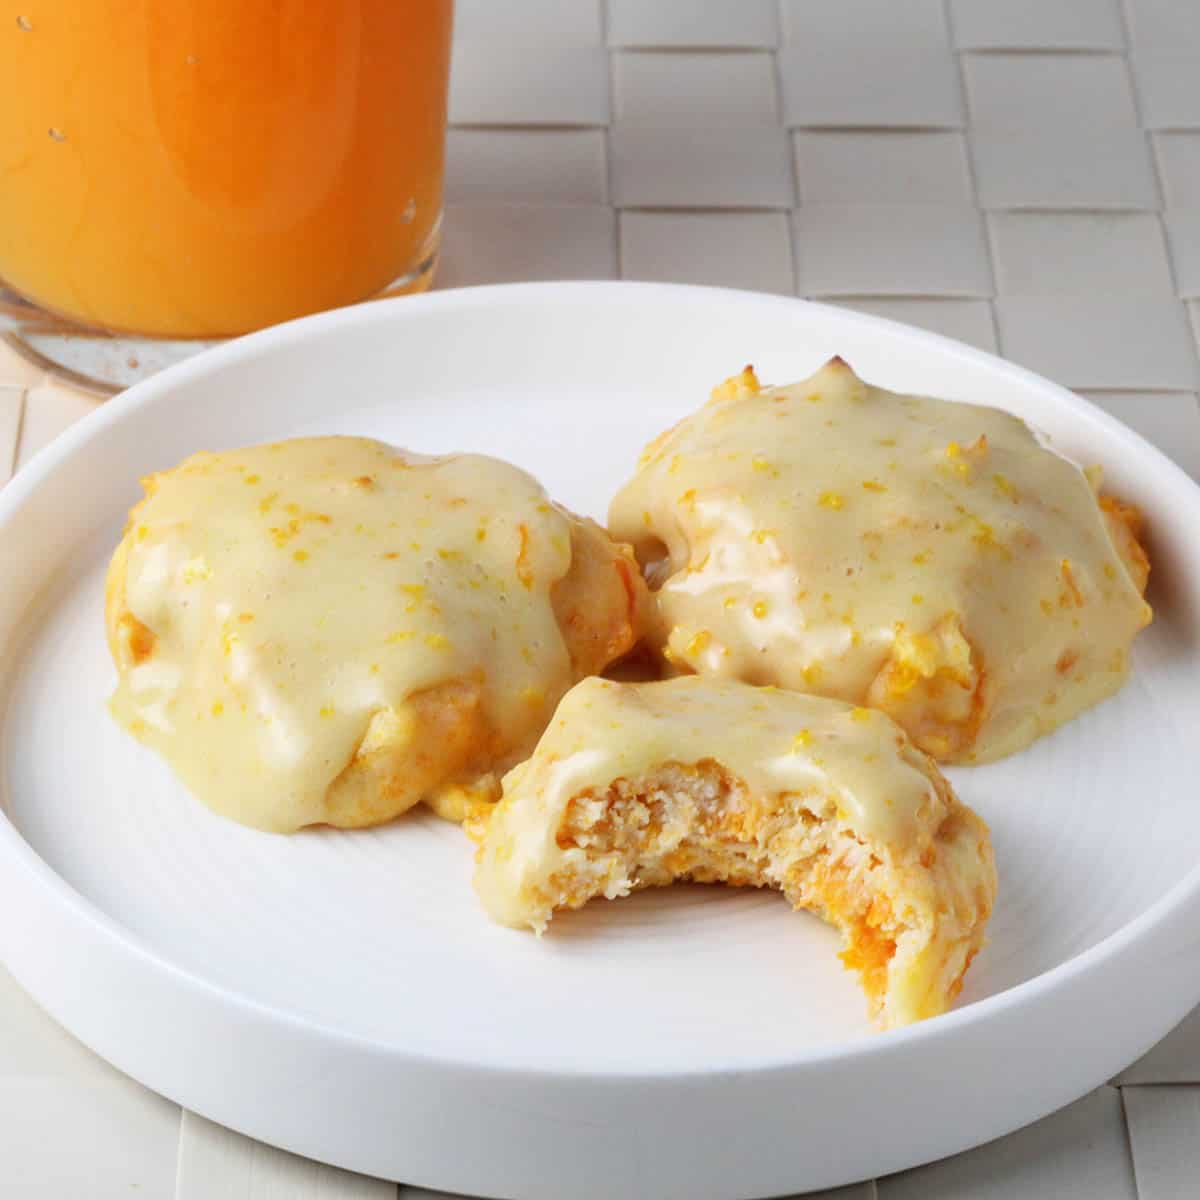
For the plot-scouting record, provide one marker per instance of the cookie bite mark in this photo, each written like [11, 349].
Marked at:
[640, 785]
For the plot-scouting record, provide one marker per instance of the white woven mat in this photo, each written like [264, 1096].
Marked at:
[1020, 174]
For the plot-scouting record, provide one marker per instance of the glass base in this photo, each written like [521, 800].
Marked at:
[104, 363]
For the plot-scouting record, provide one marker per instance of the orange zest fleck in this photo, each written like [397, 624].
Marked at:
[524, 574]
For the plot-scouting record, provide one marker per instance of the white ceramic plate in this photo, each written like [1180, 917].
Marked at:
[343, 996]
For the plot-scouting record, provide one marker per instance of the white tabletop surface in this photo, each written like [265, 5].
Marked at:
[1023, 175]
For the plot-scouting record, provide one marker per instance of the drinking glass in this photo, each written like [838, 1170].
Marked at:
[195, 169]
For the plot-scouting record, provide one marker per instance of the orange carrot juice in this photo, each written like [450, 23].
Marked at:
[196, 168]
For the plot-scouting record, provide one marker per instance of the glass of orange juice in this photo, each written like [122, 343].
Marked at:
[200, 168]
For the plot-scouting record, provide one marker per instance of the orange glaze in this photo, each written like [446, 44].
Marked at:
[205, 167]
